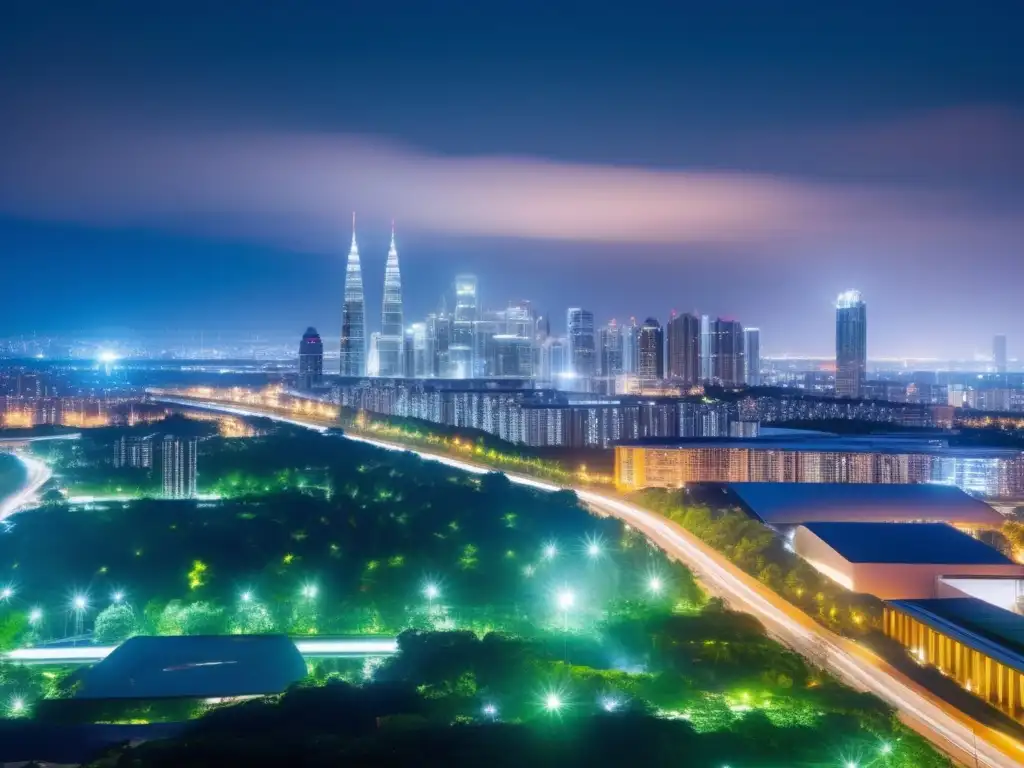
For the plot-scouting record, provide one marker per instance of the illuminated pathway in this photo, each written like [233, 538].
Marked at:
[320, 648]
[948, 729]
[37, 475]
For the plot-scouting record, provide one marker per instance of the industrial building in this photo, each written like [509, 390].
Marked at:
[979, 646]
[784, 505]
[897, 561]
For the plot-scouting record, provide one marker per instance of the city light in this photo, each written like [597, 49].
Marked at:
[594, 547]
[550, 551]
[17, 705]
[246, 596]
[107, 356]
[565, 598]
[886, 748]
[6, 593]
[431, 591]
[654, 585]
[610, 704]
[117, 597]
[35, 616]
[310, 591]
[80, 603]
[490, 710]
[553, 702]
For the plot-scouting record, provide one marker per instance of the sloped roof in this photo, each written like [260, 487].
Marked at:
[794, 503]
[202, 666]
[910, 543]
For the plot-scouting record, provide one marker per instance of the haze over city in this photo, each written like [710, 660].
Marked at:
[166, 171]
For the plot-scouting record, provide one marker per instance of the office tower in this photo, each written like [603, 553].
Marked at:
[416, 362]
[726, 352]
[519, 319]
[543, 328]
[752, 356]
[580, 323]
[373, 359]
[133, 451]
[179, 466]
[999, 352]
[609, 350]
[650, 351]
[353, 315]
[684, 340]
[510, 356]
[629, 333]
[311, 359]
[485, 328]
[551, 363]
[851, 344]
[392, 329]
[460, 349]
[439, 334]
[705, 348]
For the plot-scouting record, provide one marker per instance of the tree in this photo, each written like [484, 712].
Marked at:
[116, 624]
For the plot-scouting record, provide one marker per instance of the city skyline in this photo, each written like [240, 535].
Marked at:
[742, 171]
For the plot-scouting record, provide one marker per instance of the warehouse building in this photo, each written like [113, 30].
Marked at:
[979, 646]
[894, 561]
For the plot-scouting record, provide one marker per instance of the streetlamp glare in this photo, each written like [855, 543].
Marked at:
[246, 596]
[552, 702]
[431, 591]
[566, 599]
[117, 597]
[655, 584]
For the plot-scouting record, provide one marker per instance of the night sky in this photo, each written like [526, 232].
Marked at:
[194, 166]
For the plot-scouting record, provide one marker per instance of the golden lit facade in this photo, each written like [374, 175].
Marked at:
[977, 664]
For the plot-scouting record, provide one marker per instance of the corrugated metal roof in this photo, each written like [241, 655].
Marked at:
[794, 503]
[199, 666]
[909, 543]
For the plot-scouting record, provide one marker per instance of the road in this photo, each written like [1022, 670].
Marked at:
[37, 473]
[953, 732]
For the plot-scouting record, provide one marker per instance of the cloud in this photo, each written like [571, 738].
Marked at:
[297, 189]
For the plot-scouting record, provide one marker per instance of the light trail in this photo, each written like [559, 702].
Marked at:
[951, 731]
[37, 475]
[322, 648]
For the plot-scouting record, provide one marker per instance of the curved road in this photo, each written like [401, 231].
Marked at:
[37, 473]
[953, 732]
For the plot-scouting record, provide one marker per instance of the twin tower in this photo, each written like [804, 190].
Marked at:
[353, 316]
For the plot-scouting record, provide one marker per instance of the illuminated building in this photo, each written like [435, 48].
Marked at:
[629, 338]
[179, 466]
[552, 359]
[999, 352]
[510, 356]
[489, 325]
[416, 363]
[461, 346]
[390, 359]
[580, 325]
[609, 350]
[705, 348]
[752, 357]
[373, 360]
[851, 344]
[684, 339]
[353, 315]
[134, 451]
[816, 458]
[727, 358]
[439, 334]
[971, 642]
[311, 360]
[650, 351]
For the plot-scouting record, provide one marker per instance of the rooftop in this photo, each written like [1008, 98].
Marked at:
[991, 630]
[795, 503]
[198, 666]
[909, 543]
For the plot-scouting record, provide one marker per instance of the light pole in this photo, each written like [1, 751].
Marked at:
[565, 599]
[431, 591]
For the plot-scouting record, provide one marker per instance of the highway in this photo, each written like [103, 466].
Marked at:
[37, 475]
[953, 732]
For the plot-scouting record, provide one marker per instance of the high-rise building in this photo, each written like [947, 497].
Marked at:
[511, 356]
[684, 340]
[460, 349]
[727, 353]
[851, 344]
[179, 466]
[353, 315]
[650, 351]
[752, 356]
[389, 348]
[439, 335]
[609, 350]
[373, 358]
[415, 360]
[551, 359]
[582, 357]
[311, 359]
[999, 352]
[629, 337]
[543, 327]
[705, 348]
[134, 451]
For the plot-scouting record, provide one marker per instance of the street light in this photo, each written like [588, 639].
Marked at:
[6, 593]
[310, 591]
[553, 702]
[35, 616]
[491, 711]
[610, 703]
[431, 591]
[550, 551]
[654, 585]
[117, 598]
[246, 596]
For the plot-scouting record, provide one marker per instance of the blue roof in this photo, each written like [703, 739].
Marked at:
[987, 628]
[911, 543]
[203, 666]
[795, 503]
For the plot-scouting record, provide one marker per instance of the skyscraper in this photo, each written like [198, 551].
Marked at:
[726, 352]
[580, 323]
[439, 334]
[311, 359]
[705, 348]
[390, 359]
[851, 344]
[179, 466]
[629, 332]
[609, 350]
[684, 340]
[752, 356]
[353, 315]
[460, 349]
[650, 351]
[999, 352]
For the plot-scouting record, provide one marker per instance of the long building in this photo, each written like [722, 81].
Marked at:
[390, 358]
[353, 315]
[820, 458]
[851, 344]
